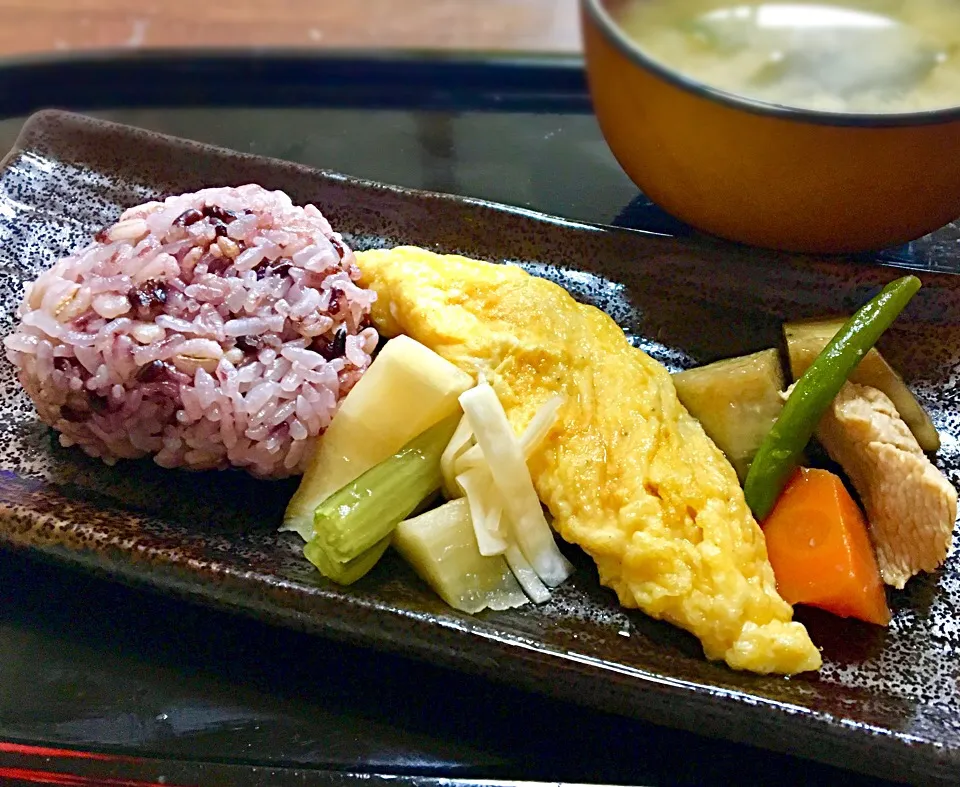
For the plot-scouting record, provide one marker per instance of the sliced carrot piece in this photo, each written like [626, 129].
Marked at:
[820, 550]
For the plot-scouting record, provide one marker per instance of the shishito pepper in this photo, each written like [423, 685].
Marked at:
[779, 453]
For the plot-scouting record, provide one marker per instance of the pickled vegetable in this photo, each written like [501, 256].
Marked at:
[363, 513]
[349, 572]
[406, 390]
[504, 455]
[441, 547]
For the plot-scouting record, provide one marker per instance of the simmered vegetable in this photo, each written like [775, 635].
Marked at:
[806, 339]
[736, 400]
[779, 453]
[441, 547]
[406, 390]
[363, 513]
[820, 551]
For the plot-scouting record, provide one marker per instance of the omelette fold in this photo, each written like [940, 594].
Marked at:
[627, 473]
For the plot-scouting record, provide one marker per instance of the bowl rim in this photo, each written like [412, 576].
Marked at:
[600, 16]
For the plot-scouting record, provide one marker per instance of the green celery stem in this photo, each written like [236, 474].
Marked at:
[366, 511]
[349, 572]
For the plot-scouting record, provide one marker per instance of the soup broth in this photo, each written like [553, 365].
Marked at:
[880, 56]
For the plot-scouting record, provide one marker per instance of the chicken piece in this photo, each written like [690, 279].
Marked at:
[627, 473]
[910, 505]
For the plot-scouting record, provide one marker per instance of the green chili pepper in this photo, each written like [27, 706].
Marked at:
[779, 454]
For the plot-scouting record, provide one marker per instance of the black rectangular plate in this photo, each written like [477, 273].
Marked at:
[886, 702]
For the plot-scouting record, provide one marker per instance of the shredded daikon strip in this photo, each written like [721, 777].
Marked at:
[540, 425]
[538, 428]
[472, 457]
[479, 491]
[525, 575]
[495, 519]
[508, 468]
[461, 440]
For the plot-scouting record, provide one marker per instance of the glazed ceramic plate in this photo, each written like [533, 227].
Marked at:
[886, 701]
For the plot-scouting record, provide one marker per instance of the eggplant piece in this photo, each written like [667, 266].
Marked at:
[805, 339]
[736, 400]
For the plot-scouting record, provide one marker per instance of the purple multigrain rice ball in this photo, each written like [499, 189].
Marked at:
[210, 330]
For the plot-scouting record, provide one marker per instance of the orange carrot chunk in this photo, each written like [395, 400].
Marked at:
[820, 550]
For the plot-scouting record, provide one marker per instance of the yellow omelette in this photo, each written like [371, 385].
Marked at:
[627, 473]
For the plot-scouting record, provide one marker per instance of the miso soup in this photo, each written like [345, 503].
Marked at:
[865, 57]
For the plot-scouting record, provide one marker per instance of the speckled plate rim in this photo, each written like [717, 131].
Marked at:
[502, 657]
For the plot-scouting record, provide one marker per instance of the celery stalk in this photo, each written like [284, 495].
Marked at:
[349, 572]
[365, 511]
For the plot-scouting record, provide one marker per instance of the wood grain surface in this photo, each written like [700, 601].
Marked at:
[31, 26]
